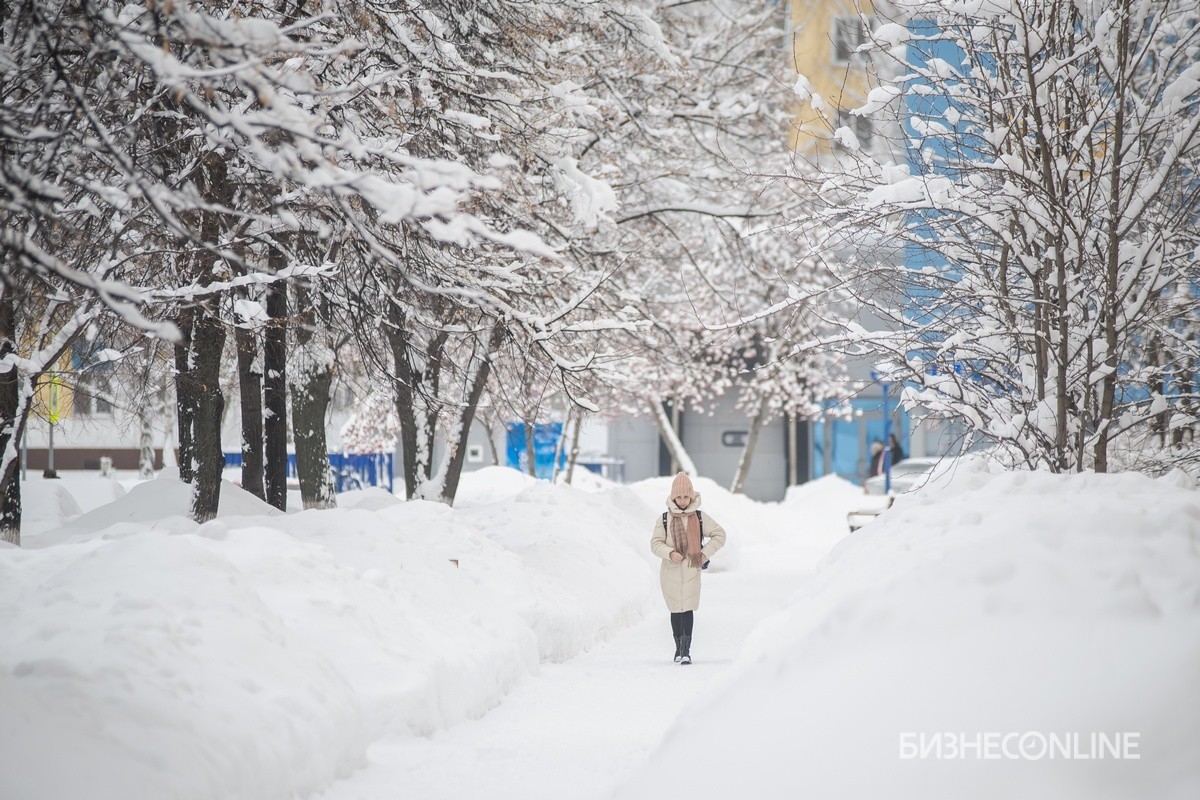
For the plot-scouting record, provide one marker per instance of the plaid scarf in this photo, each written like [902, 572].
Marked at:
[685, 531]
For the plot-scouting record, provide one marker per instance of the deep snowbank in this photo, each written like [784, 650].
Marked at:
[50, 503]
[256, 656]
[1004, 603]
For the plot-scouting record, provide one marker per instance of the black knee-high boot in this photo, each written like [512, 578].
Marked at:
[685, 640]
[677, 631]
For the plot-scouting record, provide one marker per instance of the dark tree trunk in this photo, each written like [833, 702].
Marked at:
[275, 390]
[1185, 392]
[16, 392]
[416, 399]
[402, 394]
[310, 400]
[250, 389]
[208, 343]
[458, 449]
[10, 427]
[185, 397]
[10, 503]
[309, 405]
[530, 452]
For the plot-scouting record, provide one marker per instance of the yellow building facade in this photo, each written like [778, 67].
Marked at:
[825, 35]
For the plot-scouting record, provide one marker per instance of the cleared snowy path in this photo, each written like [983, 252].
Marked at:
[578, 728]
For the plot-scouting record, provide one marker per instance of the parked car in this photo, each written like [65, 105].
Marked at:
[907, 475]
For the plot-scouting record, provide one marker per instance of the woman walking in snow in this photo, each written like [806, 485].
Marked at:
[685, 540]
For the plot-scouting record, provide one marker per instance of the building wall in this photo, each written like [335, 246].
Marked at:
[88, 458]
[705, 437]
[634, 440]
[82, 439]
[479, 452]
[841, 84]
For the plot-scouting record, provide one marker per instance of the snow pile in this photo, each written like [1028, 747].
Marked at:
[491, 484]
[89, 489]
[822, 505]
[580, 551]
[46, 504]
[1028, 610]
[150, 666]
[162, 501]
[372, 498]
[257, 655]
[51, 503]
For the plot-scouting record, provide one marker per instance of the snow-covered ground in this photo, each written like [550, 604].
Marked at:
[516, 645]
[260, 654]
[997, 635]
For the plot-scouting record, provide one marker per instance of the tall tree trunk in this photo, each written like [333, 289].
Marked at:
[208, 344]
[573, 456]
[185, 396]
[458, 450]
[560, 445]
[402, 395]
[10, 427]
[415, 392]
[145, 446]
[743, 467]
[490, 429]
[16, 393]
[250, 392]
[312, 379]
[1062, 359]
[530, 452]
[310, 401]
[1110, 312]
[678, 454]
[275, 389]
[1185, 392]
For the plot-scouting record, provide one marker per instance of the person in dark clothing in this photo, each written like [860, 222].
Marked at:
[897, 450]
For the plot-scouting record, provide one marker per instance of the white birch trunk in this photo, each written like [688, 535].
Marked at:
[671, 438]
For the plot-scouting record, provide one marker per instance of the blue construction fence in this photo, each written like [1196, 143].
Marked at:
[350, 470]
[545, 443]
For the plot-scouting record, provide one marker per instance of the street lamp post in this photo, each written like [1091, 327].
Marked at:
[52, 418]
[887, 438]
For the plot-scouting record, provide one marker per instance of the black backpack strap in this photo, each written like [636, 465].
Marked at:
[665, 528]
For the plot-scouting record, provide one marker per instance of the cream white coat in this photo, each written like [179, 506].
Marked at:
[681, 582]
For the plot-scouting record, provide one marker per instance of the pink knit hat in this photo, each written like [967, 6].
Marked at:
[682, 485]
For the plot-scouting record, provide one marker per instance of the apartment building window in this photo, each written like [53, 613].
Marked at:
[92, 384]
[861, 126]
[848, 33]
[90, 399]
